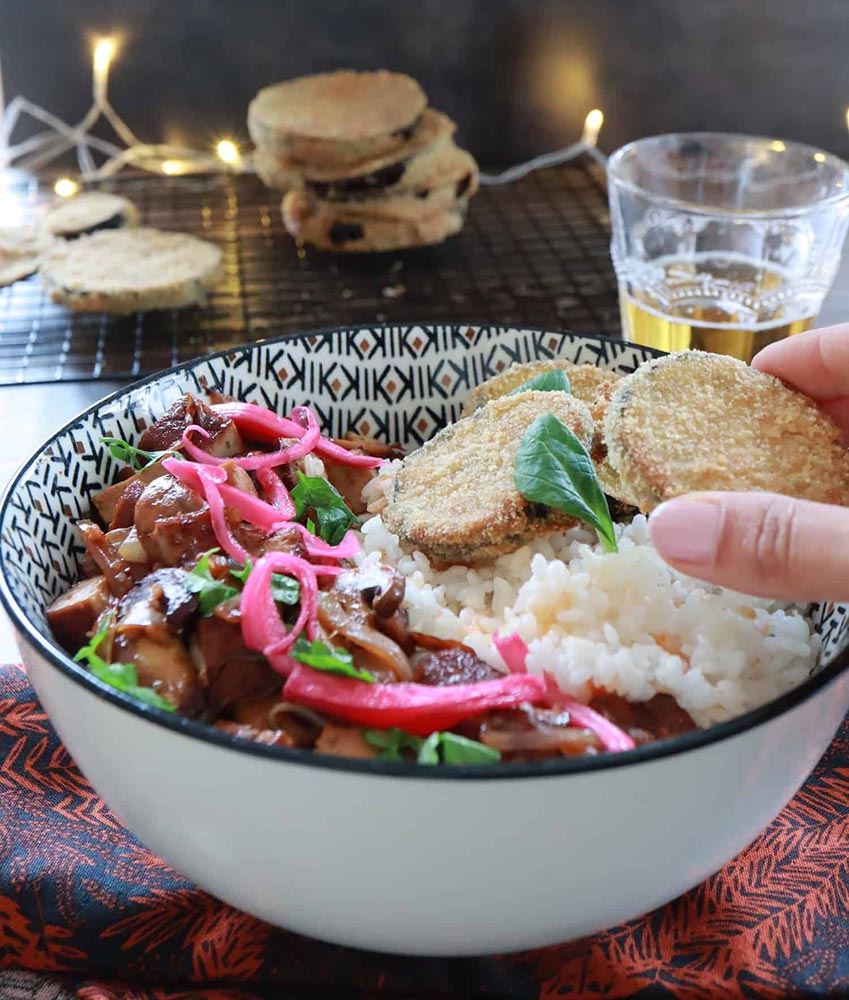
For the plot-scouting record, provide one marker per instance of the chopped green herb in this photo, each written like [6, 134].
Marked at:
[445, 748]
[460, 750]
[391, 742]
[429, 750]
[121, 676]
[131, 455]
[240, 573]
[332, 514]
[553, 381]
[552, 467]
[211, 592]
[320, 656]
[284, 589]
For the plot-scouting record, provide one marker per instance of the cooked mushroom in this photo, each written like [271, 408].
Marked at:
[73, 614]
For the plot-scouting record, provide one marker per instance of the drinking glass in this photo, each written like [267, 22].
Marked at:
[724, 243]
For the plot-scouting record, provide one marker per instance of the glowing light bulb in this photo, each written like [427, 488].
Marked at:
[592, 126]
[65, 187]
[104, 53]
[228, 151]
[172, 167]
[819, 157]
[778, 146]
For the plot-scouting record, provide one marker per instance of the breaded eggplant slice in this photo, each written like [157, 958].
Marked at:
[699, 421]
[591, 385]
[455, 498]
[584, 381]
[611, 481]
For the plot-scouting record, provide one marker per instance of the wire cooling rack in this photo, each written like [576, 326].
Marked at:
[533, 252]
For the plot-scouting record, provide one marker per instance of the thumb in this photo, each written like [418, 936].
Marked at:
[757, 543]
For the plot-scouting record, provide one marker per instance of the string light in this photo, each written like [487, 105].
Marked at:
[126, 150]
[58, 138]
[227, 151]
[585, 147]
[592, 126]
[65, 187]
[104, 52]
[778, 146]
[819, 157]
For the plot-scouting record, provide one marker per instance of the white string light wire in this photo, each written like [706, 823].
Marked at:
[58, 138]
[587, 146]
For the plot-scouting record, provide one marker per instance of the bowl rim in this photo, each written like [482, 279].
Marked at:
[372, 767]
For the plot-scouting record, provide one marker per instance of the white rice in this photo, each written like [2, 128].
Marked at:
[622, 621]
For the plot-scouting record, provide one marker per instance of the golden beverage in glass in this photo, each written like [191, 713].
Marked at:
[724, 243]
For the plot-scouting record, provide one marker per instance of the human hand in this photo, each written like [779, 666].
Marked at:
[764, 543]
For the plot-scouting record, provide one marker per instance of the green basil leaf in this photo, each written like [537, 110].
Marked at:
[130, 455]
[332, 514]
[320, 656]
[460, 750]
[332, 523]
[391, 742]
[285, 589]
[383, 739]
[241, 573]
[429, 750]
[88, 653]
[211, 591]
[553, 468]
[121, 676]
[553, 381]
[439, 747]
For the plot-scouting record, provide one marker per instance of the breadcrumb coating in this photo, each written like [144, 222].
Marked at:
[591, 385]
[455, 498]
[697, 421]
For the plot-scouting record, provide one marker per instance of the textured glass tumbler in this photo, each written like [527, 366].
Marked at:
[724, 243]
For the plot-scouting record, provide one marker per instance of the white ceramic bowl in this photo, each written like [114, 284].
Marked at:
[450, 861]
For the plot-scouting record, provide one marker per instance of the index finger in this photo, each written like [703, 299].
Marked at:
[815, 363]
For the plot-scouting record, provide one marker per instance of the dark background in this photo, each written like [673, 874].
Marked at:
[517, 76]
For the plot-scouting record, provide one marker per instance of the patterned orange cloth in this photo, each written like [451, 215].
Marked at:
[87, 912]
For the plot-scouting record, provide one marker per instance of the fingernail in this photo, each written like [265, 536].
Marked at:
[686, 530]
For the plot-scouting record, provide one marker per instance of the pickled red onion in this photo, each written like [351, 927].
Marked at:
[335, 452]
[262, 627]
[264, 425]
[609, 733]
[257, 511]
[304, 444]
[276, 493]
[260, 423]
[193, 451]
[188, 472]
[211, 487]
[419, 709]
[514, 652]
[252, 509]
[315, 546]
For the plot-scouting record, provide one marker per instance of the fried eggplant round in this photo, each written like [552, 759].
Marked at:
[697, 421]
[455, 498]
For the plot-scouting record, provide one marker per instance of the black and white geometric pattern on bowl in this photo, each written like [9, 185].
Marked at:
[396, 383]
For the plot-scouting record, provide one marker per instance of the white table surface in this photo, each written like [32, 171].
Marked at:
[30, 414]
